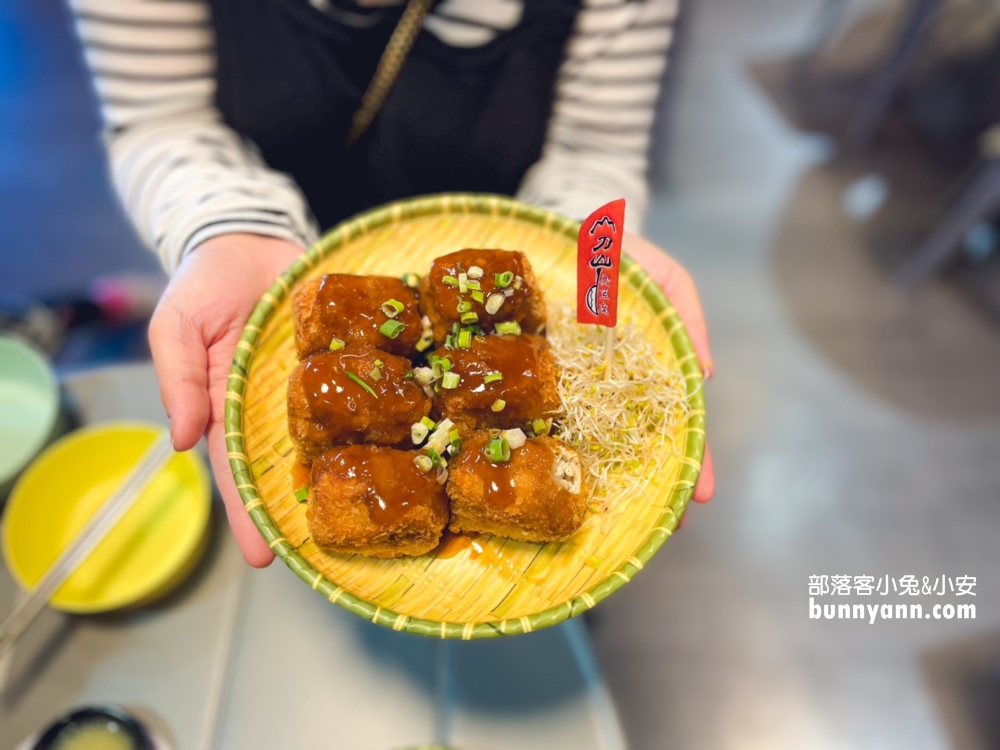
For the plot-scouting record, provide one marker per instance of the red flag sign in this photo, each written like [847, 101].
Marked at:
[598, 260]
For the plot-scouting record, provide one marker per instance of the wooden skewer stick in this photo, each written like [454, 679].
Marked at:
[609, 351]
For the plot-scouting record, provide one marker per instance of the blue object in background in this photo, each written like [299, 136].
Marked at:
[60, 223]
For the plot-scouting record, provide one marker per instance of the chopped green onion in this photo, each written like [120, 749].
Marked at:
[442, 475]
[379, 363]
[518, 282]
[470, 317]
[375, 374]
[498, 450]
[540, 427]
[498, 405]
[464, 306]
[427, 422]
[434, 456]
[464, 339]
[393, 307]
[336, 345]
[360, 382]
[409, 375]
[463, 283]
[515, 438]
[302, 494]
[455, 437]
[439, 438]
[503, 280]
[474, 286]
[450, 281]
[423, 375]
[445, 364]
[510, 326]
[492, 377]
[423, 463]
[412, 280]
[493, 303]
[418, 432]
[391, 328]
[478, 297]
[425, 342]
[449, 341]
[475, 272]
[451, 380]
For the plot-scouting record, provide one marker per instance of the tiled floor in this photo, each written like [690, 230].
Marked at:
[855, 429]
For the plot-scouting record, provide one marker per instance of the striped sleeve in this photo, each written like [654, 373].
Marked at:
[598, 137]
[182, 175]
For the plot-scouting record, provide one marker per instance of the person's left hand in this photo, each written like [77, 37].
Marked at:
[679, 287]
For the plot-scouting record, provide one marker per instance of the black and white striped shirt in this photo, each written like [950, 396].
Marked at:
[183, 176]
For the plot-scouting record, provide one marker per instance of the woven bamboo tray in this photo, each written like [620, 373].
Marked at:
[496, 586]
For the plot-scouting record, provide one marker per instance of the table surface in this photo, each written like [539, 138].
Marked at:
[201, 667]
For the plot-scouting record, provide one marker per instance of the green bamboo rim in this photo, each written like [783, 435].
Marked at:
[501, 207]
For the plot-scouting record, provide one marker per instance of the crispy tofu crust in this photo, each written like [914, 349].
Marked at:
[528, 388]
[349, 308]
[537, 496]
[374, 501]
[326, 408]
[439, 301]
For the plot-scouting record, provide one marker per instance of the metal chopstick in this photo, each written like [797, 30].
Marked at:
[29, 604]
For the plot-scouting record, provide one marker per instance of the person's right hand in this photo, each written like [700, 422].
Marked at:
[193, 335]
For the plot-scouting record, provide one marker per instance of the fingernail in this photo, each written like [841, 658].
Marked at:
[707, 370]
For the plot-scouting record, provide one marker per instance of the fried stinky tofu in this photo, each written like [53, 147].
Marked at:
[374, 501]
[443, 301]
[522, 377]
[335, 398]
[539, 495]
[349, 308]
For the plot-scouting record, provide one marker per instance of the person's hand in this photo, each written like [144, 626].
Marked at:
[679, 288]
[193, 334]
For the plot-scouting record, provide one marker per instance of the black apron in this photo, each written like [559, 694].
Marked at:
[291, 77]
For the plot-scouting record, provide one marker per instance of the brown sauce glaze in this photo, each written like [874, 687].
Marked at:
[301, 475]
[492, 262]
[350, 308]
[501, 481]
[392, 484]
[343, 405]
[516, 357]
[528, 387]
[453, 544]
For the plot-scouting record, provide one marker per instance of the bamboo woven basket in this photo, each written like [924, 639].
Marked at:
[497, 586]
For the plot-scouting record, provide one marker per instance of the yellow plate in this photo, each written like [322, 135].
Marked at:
[150, 550]
[492, 586]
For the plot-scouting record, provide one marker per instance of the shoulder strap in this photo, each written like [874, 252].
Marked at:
[389, 65]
